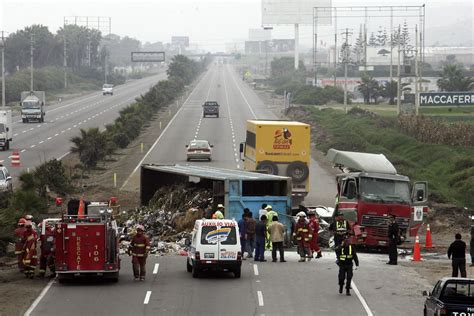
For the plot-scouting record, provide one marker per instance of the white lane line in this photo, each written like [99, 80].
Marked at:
[39, 298]
[361, 299]
[41, 142]
[255, 269]
[56, 134]
[33, 146]
[15, 134]
[243, 96]
[260, 298]
[147, 297]
[49, 137]
[64, 155]
[38, 125]
[155, 269]
[23, 150]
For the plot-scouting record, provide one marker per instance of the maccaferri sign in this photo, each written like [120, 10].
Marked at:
[447, 98]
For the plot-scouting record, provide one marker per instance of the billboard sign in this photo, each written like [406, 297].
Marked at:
[180, 41]
[446, 98]
[273, 46]
[294, 12]
[144, 57]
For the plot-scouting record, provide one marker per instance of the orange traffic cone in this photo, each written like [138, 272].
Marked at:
[80, 211]
[429, 242]
[416, 250]
[15, 159]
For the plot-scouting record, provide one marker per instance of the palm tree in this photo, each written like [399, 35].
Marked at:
[369, 87]
[91, 147]
[453, 79]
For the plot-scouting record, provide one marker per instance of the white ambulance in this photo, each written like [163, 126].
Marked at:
[214, 246]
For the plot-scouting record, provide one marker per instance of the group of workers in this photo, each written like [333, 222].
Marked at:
[26, 242]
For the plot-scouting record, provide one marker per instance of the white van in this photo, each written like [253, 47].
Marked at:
[214, 245]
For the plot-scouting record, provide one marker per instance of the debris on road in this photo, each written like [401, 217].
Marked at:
[169, 217]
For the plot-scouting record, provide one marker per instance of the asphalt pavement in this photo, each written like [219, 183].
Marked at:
[265, 288]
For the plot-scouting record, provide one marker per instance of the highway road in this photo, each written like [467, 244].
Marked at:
[39, 142]
[265, 288]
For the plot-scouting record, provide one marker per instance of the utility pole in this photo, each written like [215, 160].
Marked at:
[31, 60]
[335, 46]
[399, 83]
[106, 66]
[345, 56]
[391, 44]
[65, 58]
[2, 46]
[417, 74]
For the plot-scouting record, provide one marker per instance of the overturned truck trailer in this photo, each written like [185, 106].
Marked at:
[236, 189]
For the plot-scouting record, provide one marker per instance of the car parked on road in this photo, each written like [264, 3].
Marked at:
[214, 246]
[450, 296]
[108, 89]
[6, 182]
[199, 150]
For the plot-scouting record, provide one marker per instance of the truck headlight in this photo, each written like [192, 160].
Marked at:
[23, 116]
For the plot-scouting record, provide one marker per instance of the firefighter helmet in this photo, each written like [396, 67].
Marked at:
[301, 214]
[269, 208]
[29, 217]
[21, 221]
[140, 227]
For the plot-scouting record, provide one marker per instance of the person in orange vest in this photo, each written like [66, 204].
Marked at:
[139, 248]
[30, 258]
[47, 251]
[314, 224]
[19, 232]
[303, 234]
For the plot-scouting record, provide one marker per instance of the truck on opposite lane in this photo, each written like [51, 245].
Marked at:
[32, 106]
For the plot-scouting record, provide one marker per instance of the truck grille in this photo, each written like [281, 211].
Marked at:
[381, 222]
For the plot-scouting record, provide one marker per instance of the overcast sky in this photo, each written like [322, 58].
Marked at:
[208, 23]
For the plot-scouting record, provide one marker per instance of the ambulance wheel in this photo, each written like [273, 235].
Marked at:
[237, 273]
[298, 171]
[195, 272]
[268, 166]
[189, 267]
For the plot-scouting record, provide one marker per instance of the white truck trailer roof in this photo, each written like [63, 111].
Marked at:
[361, 161]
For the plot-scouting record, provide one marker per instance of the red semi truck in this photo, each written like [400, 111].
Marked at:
[370, 189]
[87, 244]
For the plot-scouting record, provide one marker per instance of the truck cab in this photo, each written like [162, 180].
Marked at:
[214, 246]
[450, 296]
[6, 133]
[369, 190]
[32, 106]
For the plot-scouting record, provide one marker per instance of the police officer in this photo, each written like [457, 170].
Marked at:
[340, 228]
[346, 255]
[393, 238]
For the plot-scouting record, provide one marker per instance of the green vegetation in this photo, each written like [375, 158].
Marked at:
[454, 79]
[448, 169]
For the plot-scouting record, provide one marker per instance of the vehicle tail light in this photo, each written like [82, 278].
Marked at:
[206, 150]
[197, 255]
[239, 256]
[110, 267]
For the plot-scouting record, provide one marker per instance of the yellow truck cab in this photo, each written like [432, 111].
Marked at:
[214, 245]
[280, 148]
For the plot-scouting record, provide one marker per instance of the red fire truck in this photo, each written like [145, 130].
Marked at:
[87, 242]
[369, 190]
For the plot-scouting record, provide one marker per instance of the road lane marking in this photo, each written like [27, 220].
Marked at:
[56, 134]
[245, 99]
[49, 137]
[33, 146]
[23, 150]
[361, 299]
[255, 269]
[155, 269]
[159, 137]
[260, 298]
[39, 298]
[15, 134]
[41, 142]
[147, 297]
[64, 155]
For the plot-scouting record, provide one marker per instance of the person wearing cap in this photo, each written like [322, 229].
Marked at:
[30, 258]
[346, 254]
[393, 239]
[303, 235]
[18, 233]
[219, 214]
[340, 228]
[262, 211]
[139, 248]
[260, 236]
[47, 251]
[270, 214]
[314, 224]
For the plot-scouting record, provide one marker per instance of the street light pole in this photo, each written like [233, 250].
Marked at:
[2, 45]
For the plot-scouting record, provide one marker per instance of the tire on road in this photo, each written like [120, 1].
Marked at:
[237, 273]
[113, 277]
[195, 272]
[268, 166]
[298, 171]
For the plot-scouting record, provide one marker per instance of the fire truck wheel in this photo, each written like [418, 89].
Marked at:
[62, 279]
[298, 171]
[268, 166]
[195, 272]
[189, 267]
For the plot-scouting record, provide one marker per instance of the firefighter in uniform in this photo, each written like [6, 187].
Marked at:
[346, 255]
[314, 224]
[139, 248]
[30, 258]
[19, 232]
[47, 251]
[303, 234]
[341, 228]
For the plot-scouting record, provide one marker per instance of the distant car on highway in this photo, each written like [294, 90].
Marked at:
[108, 89]
[199, 150]
[210, 108]
[450, 296]
[6, 182]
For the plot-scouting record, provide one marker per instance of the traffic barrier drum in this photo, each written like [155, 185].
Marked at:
[15, 160]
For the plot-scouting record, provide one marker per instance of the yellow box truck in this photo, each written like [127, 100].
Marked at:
[280, 148]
